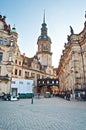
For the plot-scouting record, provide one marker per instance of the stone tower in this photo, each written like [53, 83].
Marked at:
[44, 46]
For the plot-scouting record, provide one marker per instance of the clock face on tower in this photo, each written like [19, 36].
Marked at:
[45, 47]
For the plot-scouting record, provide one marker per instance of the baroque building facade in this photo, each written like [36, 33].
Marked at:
[72, 65]
[13, 64]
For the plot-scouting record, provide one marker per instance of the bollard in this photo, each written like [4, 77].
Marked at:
[32, 100]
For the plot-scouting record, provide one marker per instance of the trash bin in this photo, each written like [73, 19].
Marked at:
[47, 95]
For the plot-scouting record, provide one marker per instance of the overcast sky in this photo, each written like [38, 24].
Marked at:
[27, 15]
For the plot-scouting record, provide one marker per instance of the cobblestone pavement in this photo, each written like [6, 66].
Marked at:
[43, 114]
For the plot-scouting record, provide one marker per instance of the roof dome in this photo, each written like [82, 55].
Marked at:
[44, 37]
[13, 29]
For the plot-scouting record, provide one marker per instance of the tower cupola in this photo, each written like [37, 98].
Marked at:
[44, 35]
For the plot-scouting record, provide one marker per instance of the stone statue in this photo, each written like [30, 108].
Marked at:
[71, 30]
[3, 19]
[65, 44]
[68, 37]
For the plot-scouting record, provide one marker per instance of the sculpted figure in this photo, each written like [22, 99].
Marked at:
[68, 37]
[71, 30]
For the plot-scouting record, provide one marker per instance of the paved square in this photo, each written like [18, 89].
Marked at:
[43, 114]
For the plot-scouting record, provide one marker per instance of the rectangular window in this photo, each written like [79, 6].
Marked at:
[5, 42]
[13, 82]
[28, 83]
[1, 41]
[11, 42]
[33, 75]
[38, 76]
[19, 72]
[16, 61]
[15, 71]
[1, 55]
[0, 70]
[19, 62]
[42, 76]
[20, 82]
[26, 74]
[10, 56]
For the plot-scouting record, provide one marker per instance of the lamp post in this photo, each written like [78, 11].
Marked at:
[32, 77]
[73, 81]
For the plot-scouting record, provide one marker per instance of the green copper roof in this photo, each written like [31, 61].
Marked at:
[13, 30]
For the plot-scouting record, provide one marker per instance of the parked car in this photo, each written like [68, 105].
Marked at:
[6, 97]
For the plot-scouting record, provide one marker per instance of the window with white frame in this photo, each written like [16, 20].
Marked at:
[10, 56]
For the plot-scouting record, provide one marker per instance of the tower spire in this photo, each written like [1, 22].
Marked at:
[44, 29]
[44, 17]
